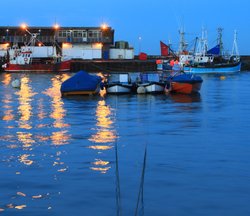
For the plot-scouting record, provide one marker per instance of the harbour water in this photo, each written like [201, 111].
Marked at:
[86, 156]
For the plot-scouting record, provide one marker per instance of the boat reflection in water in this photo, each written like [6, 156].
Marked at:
[185, 98]
[104, 137]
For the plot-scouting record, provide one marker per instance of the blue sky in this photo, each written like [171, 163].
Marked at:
[151, 20]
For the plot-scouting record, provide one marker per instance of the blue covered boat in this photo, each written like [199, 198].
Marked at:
[183, 83]
[81, 83]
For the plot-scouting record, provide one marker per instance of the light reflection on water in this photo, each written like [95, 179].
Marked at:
[104, 137]
[58, 155]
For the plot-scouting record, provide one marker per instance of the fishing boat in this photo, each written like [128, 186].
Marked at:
[227, 67]
[183, 83]
[151, 83]
[35, 57]
[118, 84]
[214, 60]
[81, 83]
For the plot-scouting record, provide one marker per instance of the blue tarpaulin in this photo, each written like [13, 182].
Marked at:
[215, 50]
[185, 78]
[150, 78]
[81, 81]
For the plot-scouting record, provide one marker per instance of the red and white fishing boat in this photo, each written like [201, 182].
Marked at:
[35, 57]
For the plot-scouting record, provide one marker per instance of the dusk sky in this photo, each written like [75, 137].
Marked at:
[151, 21]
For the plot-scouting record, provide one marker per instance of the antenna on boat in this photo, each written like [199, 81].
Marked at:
[204, 41]
[235, 46]
[219, 39]
[195, 45]
[183, 44]
[33, 38]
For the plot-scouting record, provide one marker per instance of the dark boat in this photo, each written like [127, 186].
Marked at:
[81, 83]
[184, 83]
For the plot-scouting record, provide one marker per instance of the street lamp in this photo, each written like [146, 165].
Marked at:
[139, 38]
[56, 26]
[104, 26]
[24, 26]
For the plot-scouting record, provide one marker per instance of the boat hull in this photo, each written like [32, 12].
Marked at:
[185, 88]
[230, 68]
[153, 87]
[118, 88]
[84, 92]
[58, 67]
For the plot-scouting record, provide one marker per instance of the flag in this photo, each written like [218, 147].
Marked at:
[164, 49]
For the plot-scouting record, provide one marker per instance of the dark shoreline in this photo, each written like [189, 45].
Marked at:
[133, 65]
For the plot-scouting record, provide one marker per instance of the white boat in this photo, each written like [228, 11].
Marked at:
[151, 82]
[119, 84]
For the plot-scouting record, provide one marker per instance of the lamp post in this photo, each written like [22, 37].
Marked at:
[139, 39]
[56, 27]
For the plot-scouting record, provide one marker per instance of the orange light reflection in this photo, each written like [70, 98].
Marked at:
[25, 109]
[58, 112]
[26, 139]
[6, 79]
[60, 138]
[24, 159]
[104, 135]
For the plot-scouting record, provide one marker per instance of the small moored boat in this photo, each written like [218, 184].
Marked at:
[151, 82]
[184, 83]
[119, 84]
[81, 83]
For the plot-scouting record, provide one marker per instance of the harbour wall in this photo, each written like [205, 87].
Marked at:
[245, 63]
[114, 65]
[133, 65]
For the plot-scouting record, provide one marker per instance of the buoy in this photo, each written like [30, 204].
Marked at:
[222, 77]
[16, 83]
[141, 90]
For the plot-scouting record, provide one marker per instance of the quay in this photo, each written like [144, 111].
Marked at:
[245, 59]
[133, 65]
[130, 65]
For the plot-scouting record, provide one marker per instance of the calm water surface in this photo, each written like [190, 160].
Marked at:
[85, 156]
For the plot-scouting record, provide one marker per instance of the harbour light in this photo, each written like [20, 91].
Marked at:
[97, 45]
[56, 26]
[24, 26]
[104, 26]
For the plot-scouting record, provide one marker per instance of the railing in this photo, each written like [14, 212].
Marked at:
[50, 39]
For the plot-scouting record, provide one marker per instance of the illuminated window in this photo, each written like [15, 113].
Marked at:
[79, 34]
[94, 33]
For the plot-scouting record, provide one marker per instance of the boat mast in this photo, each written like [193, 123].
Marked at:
[235, 46]
[195, 45]
[204, 41]
[219, 39]
[183, 43]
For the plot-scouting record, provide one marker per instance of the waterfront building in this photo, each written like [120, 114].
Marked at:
[71, 42]
[121, 50]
